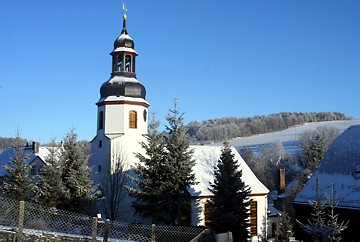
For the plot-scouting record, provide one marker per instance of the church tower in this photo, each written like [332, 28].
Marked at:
[122, 113]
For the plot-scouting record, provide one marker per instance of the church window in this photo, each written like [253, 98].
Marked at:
[100, 143]
[33, 170]
[101, 120]
[133, 119]
[253, 218]
[99, 168]
[128, 63]
[120, 60]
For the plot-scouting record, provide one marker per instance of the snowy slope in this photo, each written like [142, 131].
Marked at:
[289, 137]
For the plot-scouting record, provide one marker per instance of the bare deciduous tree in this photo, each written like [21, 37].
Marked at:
[113, 185]
[315, 144]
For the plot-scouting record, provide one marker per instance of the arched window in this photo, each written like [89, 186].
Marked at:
[132, 119]
[101, 120]
[120, 60]
[128, 63]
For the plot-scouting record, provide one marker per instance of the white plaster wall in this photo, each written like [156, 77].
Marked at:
[117, 118]
[114, 119]
[141, 123]
[262, 207]
[99, 156]
[198, 211]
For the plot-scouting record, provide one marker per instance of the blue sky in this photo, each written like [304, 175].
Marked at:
[219, 58]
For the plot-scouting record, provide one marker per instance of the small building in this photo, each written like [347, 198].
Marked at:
[338, 173]
[206, 158]
[36, 156]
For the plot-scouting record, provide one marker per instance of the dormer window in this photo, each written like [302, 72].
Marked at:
[132, 119]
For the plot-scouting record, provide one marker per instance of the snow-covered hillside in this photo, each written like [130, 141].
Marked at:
[289, 137]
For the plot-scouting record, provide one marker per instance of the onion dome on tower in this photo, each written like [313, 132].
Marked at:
[123, 82]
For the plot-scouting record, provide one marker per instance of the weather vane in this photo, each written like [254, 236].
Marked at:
[124, 9]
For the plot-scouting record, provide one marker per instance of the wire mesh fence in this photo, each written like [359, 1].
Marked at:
[33, 222]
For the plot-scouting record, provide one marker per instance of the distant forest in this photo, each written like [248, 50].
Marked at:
[221, 129]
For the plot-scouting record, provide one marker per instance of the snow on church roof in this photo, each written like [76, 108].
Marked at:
[340, 168]
[206, 158]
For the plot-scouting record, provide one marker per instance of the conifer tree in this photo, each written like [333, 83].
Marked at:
[179, 160]
[17, 183]
[229, 205]
[51, 187]
[324, 226]
[153, 174]
[165, 173]
[76, 174]
[284, 228]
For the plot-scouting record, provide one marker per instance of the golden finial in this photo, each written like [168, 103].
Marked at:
[124, 9]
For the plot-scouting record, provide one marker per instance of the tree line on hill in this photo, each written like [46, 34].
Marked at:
[221, 129]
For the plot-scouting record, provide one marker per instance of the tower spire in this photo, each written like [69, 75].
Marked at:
[124, 17]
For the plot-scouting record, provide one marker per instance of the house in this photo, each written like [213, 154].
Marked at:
[36, 156]
[206, 157]
[338, 173]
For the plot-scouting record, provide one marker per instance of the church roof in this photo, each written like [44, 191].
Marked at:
[206, 158]
[338, 170]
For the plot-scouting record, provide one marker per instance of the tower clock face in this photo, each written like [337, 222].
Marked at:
[145, 115]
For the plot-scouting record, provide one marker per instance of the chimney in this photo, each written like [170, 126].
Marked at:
[35, 146]
[282, 179]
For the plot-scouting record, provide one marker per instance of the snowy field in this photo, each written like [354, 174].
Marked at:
[289, 137]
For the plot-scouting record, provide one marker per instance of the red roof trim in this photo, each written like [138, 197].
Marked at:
[123, 102]
[250, 195]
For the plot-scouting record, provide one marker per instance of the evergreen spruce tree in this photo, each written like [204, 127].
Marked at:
[153, 176]
[51, 187]
[284, 229]
[165, 173]
[324, 226]
[230, 204]
[76, 174]
[17, 183]
[180, 162]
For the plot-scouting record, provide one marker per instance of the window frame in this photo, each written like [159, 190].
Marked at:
[133, 119]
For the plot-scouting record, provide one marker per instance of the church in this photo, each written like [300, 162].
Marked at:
[122, 121]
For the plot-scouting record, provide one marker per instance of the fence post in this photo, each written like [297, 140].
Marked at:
[94, 229]
[107, 227]
[21, 221]
[153, 232]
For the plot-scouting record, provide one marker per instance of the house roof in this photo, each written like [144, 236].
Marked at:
[6, 155]
[338, 170]
[206, 158]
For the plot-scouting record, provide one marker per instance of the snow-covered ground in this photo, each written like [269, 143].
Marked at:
[289, 137]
